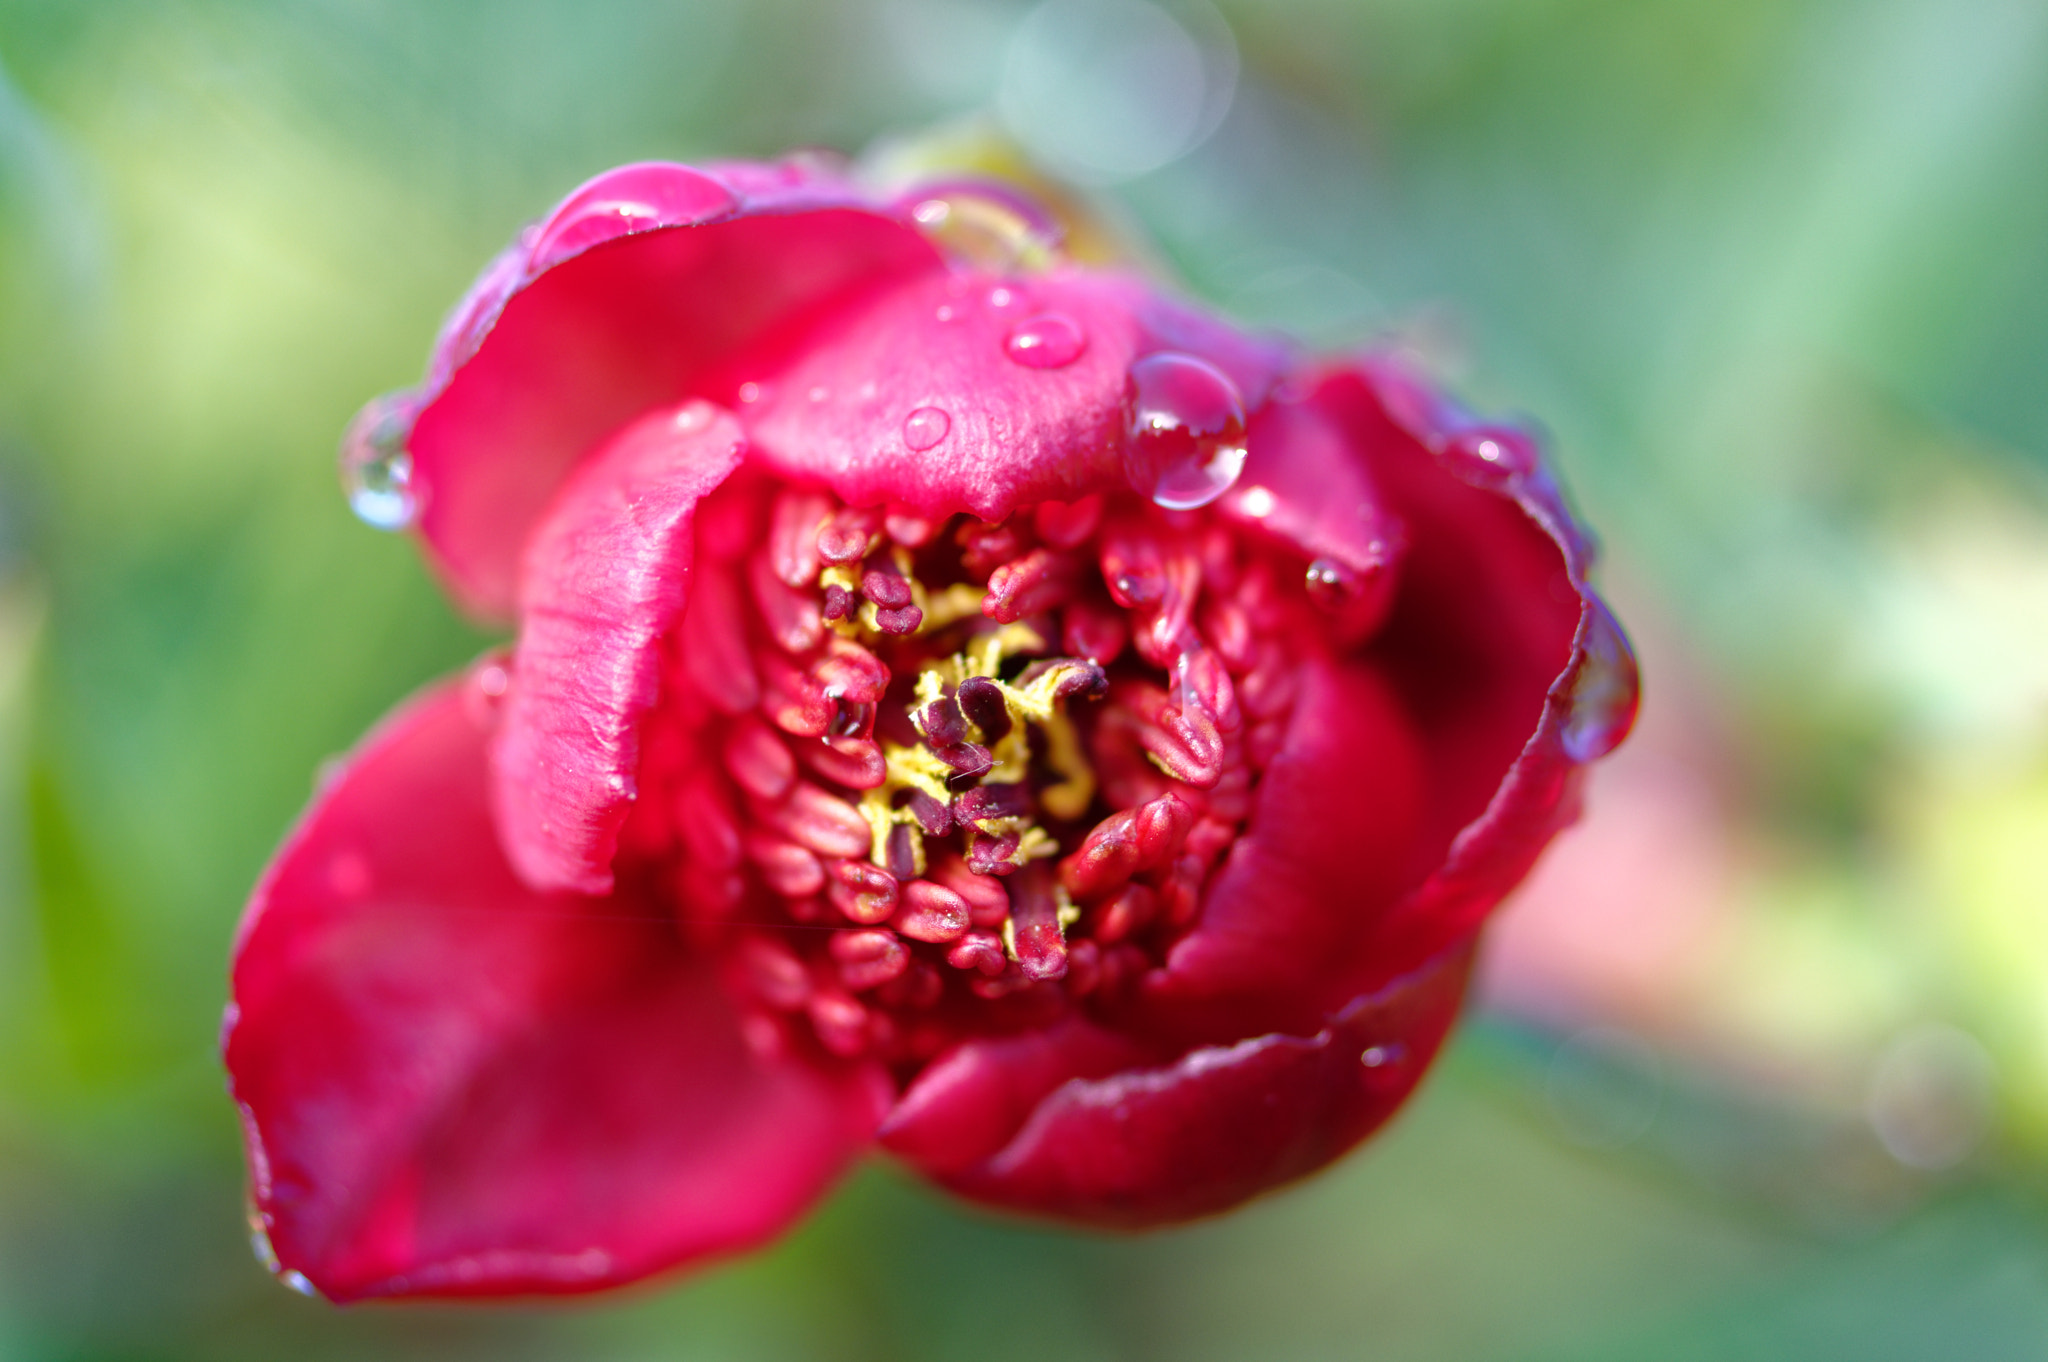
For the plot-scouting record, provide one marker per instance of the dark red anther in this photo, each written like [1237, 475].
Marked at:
[941, 722]
[988, 903]
[902, 853]
[1125, 844]
[984, 547]
[1124, 914]
[870, 957]
[793, 534]
[849, 535]
[985, 802]
[840, 1021]
[931, 912]
[1094, 629]
[790, 870]
[773, 973]
[899, 622]
[840, 604]
[790, 613]
[1081, 679]
[757, 760]
[1035, 923]
[864, 892]
[1013, 979]
[1068, 525]
[908, 528]
[855, 762]
[993, 855]
[1041, 580]
[713, 644]
[935, 818]
[979, 951]
[884, 583]
[970, 762]
[705, 822]
[981, 700]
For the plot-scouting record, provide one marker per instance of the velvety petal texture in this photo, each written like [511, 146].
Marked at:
[606, 574]
[452, 1085]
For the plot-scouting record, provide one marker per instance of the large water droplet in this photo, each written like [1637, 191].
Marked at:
[1051, 340]
[1603, 690]
[376, 469]
[1494, 457]
[925, 427]
[987, 226]
[1183, 430]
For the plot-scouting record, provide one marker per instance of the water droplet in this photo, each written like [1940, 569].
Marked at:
[946, 313]
[1332, 585]
[1259, 502]
[1184, 430]
[376, 468]
[987, 227]
[1491, 456]
[297, 1281]
[1601, 697]
[750, 392]
[1000, 297]
[925, 427]
[819, 393]
[1378, 1056]
[1051, 340]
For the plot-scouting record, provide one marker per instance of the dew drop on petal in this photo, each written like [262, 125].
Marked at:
[987, 227]
[1491, 456]
[1332, 585]
[376, 468]
[1601, 698]
[1051, 340]
[925, 427]
[297, 1281]
[1183, 430]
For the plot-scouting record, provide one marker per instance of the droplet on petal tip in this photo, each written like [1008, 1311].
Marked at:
[376, 467]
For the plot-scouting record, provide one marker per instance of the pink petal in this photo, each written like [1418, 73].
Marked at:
[617, 303]
[909, 395]
[606, 574]
[1421, 777]
[1151, 1146]
[1513, 668]
[451, 1085]
[967, 1104]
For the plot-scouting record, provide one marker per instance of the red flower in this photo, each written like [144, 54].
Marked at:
[919, 730]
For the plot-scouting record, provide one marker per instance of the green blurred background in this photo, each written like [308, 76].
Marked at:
[1761, 1067]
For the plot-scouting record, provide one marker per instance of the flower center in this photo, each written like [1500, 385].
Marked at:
[920, 779]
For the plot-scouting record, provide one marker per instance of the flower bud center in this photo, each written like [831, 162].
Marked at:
[921, 778]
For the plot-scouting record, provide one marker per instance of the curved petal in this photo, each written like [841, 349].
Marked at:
[1421, 776]
[606, 573]
[1221, 1124]
[910, 394]
[614, 304]
[1515, 671]
[969, 1102]
[451, 1085]
[1327, 849]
